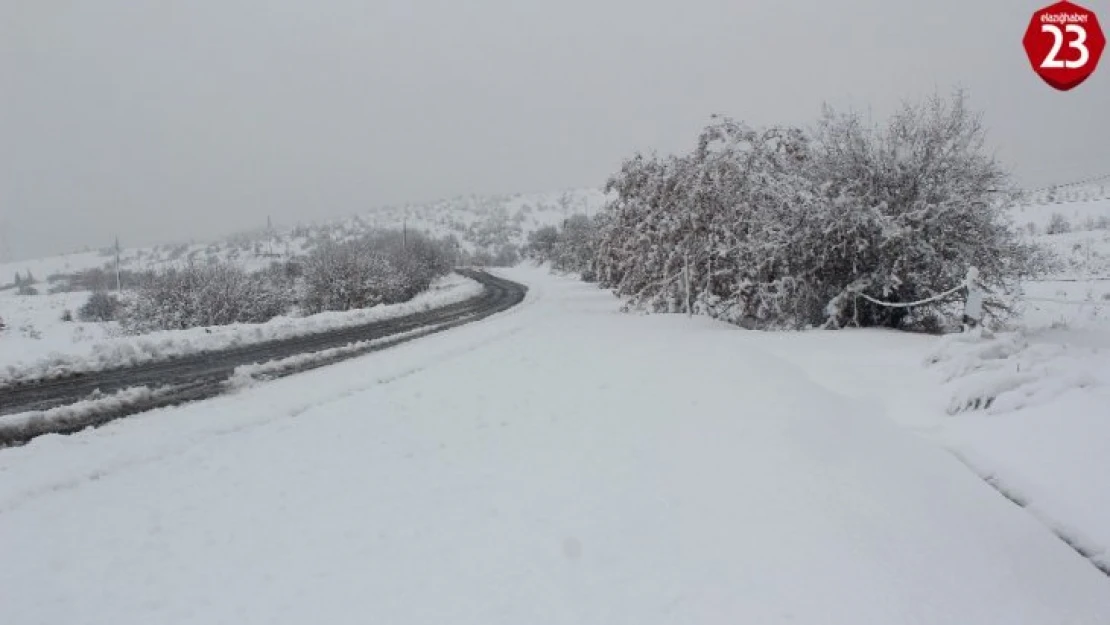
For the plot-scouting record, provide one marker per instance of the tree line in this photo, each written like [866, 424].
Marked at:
[379, 267]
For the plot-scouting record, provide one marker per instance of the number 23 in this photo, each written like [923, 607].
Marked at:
[1058, 42]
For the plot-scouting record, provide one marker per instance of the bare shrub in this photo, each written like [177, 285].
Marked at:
[349, 275]
[209, 294]
[101, 306]
[381, 267]
[1058, 224]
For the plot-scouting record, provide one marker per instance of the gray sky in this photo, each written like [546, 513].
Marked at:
[164, 120]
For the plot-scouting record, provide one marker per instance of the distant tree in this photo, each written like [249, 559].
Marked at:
[541, 243]
[507, 255]
[23, 284]
[575, 248]
[1058, 224]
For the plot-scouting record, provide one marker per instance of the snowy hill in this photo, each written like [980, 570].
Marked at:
[478, 222]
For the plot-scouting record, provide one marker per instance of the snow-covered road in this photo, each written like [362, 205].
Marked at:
[558, 463]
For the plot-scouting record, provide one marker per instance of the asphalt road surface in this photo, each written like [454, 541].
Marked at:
[199, 376]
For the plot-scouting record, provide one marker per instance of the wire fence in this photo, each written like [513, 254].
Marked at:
[1066, 185]
[975, 296]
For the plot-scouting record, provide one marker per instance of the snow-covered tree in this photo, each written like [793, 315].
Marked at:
[541, 243]
[784, 227]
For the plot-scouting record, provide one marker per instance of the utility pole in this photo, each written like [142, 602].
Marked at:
[119, 282]
[404, 234]
[270, 234]
[5, 249]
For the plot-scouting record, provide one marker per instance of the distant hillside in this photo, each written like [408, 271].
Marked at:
[483, 226]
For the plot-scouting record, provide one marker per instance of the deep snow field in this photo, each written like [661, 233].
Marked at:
[566, 463]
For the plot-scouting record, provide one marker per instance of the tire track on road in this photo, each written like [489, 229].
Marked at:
[201, 376]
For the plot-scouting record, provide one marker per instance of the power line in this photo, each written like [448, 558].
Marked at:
[1066, 185]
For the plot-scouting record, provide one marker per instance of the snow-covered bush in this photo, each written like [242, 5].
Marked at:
[101, 306]
[348, 275]
[570, 248]
[1058, 224]
[209, 294]
[574, 251]
[379, 267]
[421, 260]
[24, 285]
[541, 244]
[785, 227]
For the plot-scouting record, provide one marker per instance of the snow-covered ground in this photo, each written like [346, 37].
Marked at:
[39, 344]
[1085, 214]
[35, 327]
[558, 463]
[1044, 438]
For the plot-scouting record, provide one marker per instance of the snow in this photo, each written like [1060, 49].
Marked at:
[77, 412]
[557, 463]
[53, 349]
[35, 328]
[247, 375]
[1027, 410]
[42, 268]
[1076, 212]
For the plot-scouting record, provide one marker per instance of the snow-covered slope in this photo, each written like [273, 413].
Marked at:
[486, 222]
[560, 463]
[476, 221]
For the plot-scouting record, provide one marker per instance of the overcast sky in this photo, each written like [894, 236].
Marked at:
[165, 120]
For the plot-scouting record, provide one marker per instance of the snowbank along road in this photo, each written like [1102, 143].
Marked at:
[557, 463]
[204, 375]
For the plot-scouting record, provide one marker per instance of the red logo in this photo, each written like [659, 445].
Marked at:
[1064, 43]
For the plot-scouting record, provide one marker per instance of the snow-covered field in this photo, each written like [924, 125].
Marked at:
[39, 344]
[565, 463]
[1044, 438]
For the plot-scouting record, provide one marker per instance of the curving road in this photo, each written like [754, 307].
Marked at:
[205, 375]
